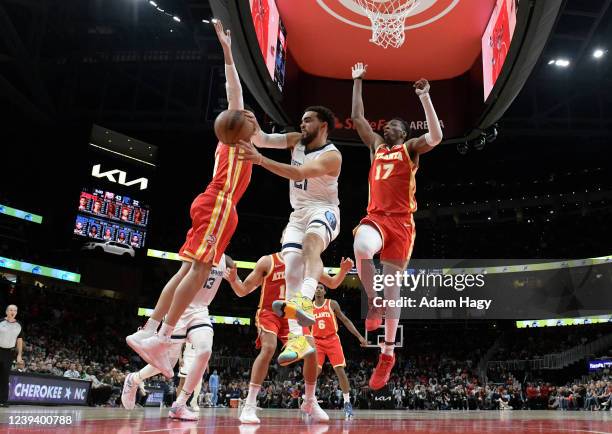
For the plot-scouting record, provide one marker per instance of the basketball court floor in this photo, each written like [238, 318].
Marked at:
[222, 421]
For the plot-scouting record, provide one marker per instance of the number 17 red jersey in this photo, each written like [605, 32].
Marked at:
[392, 182]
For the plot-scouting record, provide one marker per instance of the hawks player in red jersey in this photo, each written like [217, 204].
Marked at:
[388, 228]
[214, 220]
[269, 272]
[327, 341]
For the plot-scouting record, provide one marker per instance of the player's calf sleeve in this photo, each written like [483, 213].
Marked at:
[366, 244]
[294, 273]
[202, 342]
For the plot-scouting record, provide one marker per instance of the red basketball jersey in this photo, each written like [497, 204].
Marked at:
[392, 182]
[231, 176]
[325, 320]
[273, 287]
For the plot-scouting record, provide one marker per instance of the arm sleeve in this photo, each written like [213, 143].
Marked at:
[264, 140]
[434, 135]
[233, 88]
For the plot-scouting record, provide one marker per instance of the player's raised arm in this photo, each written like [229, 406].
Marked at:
[365, 131]
[278, 141]
[429, 140]
[347, 322]
[328, 164]
[332, 282]
[232, 81]
[253, 280]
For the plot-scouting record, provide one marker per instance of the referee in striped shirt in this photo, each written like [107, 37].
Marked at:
[11, 338]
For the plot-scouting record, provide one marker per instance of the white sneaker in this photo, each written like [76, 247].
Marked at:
[181, 412]
[311, 408]
[135, 340]
[128, 394]
[249, 414]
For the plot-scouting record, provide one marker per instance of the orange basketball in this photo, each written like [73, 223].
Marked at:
[233, 125]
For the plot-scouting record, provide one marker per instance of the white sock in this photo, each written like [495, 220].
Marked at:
[252, 396]
[309, 286]
[183, 397]
[166, 330]
[388, 349]
[146, 372]
[310, 390]
[151, 325]
[294, 327]
[347, 397]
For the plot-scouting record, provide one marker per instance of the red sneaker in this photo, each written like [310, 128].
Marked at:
[381, 374]
[374, 319]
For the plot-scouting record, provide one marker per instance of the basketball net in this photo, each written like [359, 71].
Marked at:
[387, 17]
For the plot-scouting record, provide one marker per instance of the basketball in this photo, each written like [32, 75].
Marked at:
[232, 126]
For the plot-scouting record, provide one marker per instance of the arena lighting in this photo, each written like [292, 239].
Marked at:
[491, 134]
[24, 215]
[40, 270]
[562, 63]
[215, 319]
[152, 3]
[559, 322]
[463, 148]
[480, 142]
[598, 53]
[177, 19]
[240, 264]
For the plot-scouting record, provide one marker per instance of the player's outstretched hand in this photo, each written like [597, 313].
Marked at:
[230, 274]
[421, 87]
[346, 264]
[248, 152]
[359, 70]
[252, 119]
[224, 36]
[362, 341]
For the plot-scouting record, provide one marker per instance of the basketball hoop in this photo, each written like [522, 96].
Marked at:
[387, 17]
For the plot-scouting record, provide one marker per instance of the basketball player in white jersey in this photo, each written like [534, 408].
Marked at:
[195, 328]
[315, 220]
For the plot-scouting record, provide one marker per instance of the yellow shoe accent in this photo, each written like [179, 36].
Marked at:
[297, 348]
[298, 308]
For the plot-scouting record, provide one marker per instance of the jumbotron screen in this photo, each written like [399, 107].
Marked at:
[272, 38]
[106, 216]
[496, 42]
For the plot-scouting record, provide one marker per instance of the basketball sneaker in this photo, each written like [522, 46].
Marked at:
[249, 414]
[298, 308]
[154, 351]
[382, 372]
[374, 318]
[181, 412]
[311, 408]
[348, 411]
[297, 348]
[135, 339]
[128, 394]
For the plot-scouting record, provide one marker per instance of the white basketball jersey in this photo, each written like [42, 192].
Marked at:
[207, 293]
[319, 191]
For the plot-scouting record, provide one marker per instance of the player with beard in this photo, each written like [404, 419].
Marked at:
[388, 228]
[315, 220]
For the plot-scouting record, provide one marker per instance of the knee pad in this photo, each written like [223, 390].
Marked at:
[202, 341]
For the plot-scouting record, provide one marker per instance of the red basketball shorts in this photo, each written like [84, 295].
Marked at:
[213, 222]
[397, 234]
[331, 348]
[267, 321]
